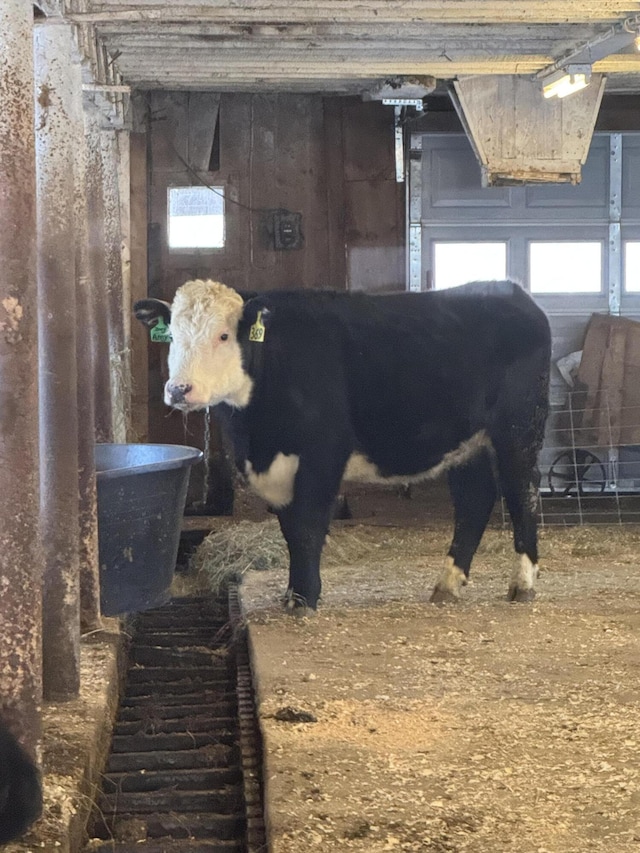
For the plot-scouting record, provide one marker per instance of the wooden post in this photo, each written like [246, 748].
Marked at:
[119, 363]
[98, 274]
[123, 165]
[20, 555]
[85, 344]
[139, 335]
[56, 105]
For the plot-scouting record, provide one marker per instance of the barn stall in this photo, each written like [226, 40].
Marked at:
[376, 147]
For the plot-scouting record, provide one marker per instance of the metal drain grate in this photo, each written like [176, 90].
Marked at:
[185, 767]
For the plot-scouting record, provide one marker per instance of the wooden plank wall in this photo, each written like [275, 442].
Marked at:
[330, 159]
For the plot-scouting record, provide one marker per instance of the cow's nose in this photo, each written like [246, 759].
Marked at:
[177, 393]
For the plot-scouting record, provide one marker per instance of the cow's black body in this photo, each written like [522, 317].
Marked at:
[403, 380]
[20, 789]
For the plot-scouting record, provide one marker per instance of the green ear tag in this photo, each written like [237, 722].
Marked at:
[160, 333]
[256, 332]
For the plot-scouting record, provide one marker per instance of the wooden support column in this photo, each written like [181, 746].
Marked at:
[20, 555]
[120, 368]
[139, 335]
[56, 148]
[98, 275]
[123, 165]
[85, 346]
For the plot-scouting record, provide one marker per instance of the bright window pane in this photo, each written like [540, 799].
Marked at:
[632, 266]
[196, 218]
[457, 263]
[565, 267]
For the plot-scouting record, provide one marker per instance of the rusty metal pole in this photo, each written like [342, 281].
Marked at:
[20, 555]
[98, 273]
[56, 148]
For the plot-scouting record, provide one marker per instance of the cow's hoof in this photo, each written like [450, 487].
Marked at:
[520, 595]
[299, 610]
[297, 605]
[443, 596]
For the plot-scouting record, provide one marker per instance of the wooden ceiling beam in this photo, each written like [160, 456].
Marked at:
[415, 30]
[337, 11]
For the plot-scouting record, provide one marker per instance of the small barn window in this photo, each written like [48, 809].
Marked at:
[565, 267]
[632, 266]
[457, 263]
[196, 217]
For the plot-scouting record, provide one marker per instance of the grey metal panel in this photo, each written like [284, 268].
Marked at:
[453, 192]
[453, 180]
[631, 178]
[589, 198]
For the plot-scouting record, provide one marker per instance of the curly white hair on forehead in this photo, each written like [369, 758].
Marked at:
[212, 300]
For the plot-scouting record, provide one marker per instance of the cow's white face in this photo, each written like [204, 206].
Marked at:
[205, 361]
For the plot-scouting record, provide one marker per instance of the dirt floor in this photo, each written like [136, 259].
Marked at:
[391, 724]
[394, 725]
[76, 738]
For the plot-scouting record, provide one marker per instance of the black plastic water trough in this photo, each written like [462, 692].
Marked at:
[142, 489]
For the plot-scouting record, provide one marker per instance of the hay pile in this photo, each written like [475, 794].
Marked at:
[234, 549]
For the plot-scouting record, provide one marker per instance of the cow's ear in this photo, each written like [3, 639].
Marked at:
[149, 311]
[257, 310]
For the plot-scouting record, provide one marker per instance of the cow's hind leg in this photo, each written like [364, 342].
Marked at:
[473, 491]
[519, 480]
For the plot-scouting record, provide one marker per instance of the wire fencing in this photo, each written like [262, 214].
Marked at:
[590, 461]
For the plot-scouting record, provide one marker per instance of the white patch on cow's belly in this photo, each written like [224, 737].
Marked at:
[275, 485]
[360, 469]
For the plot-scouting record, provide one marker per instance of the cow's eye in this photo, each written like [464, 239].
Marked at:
[224, 336]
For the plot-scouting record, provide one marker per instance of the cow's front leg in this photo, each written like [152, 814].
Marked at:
[305, 518]
[305, 533]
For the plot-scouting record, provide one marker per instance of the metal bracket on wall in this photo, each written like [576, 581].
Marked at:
[398, 105]
[110, 102]
[615, 214]
[414, 215]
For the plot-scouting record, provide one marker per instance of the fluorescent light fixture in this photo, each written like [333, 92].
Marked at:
[566, 81]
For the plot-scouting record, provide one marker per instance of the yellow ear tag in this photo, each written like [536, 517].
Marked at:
[256, 332]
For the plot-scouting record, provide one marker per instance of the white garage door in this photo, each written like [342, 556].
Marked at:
[575, 248]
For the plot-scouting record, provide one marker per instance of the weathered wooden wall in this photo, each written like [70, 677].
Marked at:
[330, 159]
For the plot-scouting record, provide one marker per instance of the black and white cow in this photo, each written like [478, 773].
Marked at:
[321, 386]
[20, 788]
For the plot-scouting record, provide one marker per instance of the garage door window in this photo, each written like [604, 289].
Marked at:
[565, 267]
[196, 217]
[457, 263]
[632, 266]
